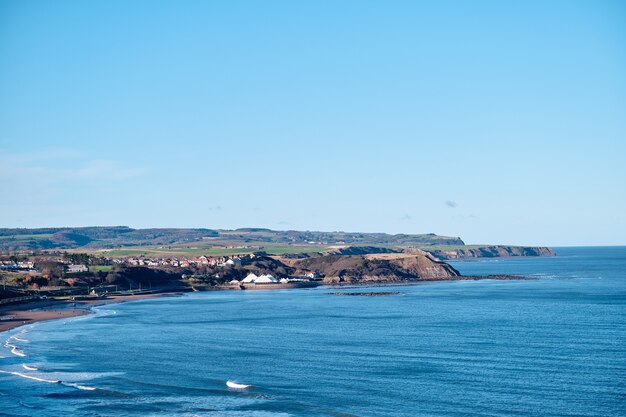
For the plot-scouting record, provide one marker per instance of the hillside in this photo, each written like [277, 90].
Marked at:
[387, 267]
[126, 241]
[122, 236]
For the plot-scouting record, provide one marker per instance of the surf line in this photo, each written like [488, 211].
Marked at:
[51, 381]
[82, 387]
[34, 378]
[18, 339]
[14, 349]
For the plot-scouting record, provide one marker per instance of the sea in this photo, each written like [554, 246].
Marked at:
[552, 345]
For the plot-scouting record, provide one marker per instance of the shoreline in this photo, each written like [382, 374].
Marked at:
[18, 315]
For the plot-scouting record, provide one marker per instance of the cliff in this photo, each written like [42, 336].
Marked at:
[492, 252]
[384, 267]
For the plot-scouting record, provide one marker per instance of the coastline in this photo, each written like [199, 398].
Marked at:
[18, 315]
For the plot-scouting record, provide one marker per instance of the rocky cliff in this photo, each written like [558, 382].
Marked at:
[492, 252]
[386, 267]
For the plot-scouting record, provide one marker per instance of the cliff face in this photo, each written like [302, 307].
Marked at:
[493, 251]
[428, 267]
[388, 267]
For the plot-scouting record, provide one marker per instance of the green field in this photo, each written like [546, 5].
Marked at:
[27, 237]
[190, 251]
[100, 268]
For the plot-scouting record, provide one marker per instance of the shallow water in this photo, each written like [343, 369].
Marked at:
[546, 347]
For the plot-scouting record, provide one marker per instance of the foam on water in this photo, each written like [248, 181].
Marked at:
[50, 378]
[32, 377]
[78, 386]
[233, 384]
[14, 349]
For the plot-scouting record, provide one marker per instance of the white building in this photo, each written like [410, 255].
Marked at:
[250, 278]
[73, 269]
[265, 279]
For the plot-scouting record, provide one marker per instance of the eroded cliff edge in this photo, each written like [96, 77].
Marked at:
[492, 252]
[375, 267]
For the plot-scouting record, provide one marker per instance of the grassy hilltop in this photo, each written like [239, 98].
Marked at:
[127, 241]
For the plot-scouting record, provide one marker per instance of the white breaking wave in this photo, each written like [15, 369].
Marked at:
[29, 368]
[232, 384]
[18, 339]
[34, 378]
[83, 387]
[14, 349]
[50, 381]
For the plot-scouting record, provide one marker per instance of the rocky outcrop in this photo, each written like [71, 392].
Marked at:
[388, 267]
[492, 252]
[426, 266]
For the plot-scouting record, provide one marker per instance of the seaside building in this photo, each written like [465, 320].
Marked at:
[250, 278]
[263, 279]
[266, 279]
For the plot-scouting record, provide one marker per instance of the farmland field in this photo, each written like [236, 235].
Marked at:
[27, 237]
[100, 268]
[211, 251]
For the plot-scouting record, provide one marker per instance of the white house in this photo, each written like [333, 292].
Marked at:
[72, 269]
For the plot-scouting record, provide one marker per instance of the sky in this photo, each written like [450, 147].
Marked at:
[496, 121]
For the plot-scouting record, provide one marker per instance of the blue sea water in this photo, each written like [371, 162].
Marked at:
[552, 346]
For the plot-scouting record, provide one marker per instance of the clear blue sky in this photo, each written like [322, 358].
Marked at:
[496, 121]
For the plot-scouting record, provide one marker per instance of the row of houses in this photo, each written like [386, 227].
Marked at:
[30, 266]
[10, 265]
[222, 261]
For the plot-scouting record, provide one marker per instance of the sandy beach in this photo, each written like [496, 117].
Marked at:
[16, 315]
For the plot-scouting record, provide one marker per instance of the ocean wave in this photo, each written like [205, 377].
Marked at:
[29, 368]
[14, 349]
[78, 386]
[34, 378]
[233, 384]
[49, 381]
[19, 339]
